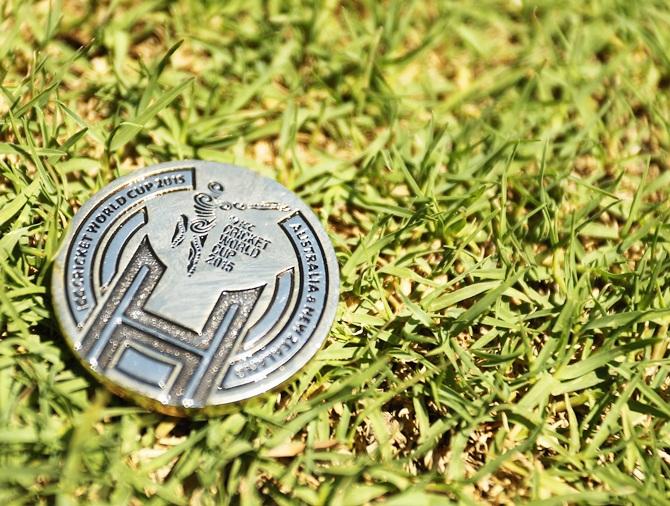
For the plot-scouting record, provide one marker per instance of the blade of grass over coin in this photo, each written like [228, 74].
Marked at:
[494, 179]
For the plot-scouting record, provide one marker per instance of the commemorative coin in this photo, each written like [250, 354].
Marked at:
[190, 285]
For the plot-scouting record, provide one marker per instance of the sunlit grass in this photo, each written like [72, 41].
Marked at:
[494, 178]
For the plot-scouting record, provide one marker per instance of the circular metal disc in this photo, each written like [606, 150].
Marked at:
[190, 285]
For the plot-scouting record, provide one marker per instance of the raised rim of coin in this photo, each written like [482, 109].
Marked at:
[187, 286]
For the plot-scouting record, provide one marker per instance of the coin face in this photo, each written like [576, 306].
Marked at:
[190, 285]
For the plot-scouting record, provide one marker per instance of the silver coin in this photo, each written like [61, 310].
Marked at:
[190, 285]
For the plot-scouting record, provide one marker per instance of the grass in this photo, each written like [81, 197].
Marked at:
[494, 177]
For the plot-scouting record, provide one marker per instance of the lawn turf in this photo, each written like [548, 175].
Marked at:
[494, 177]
